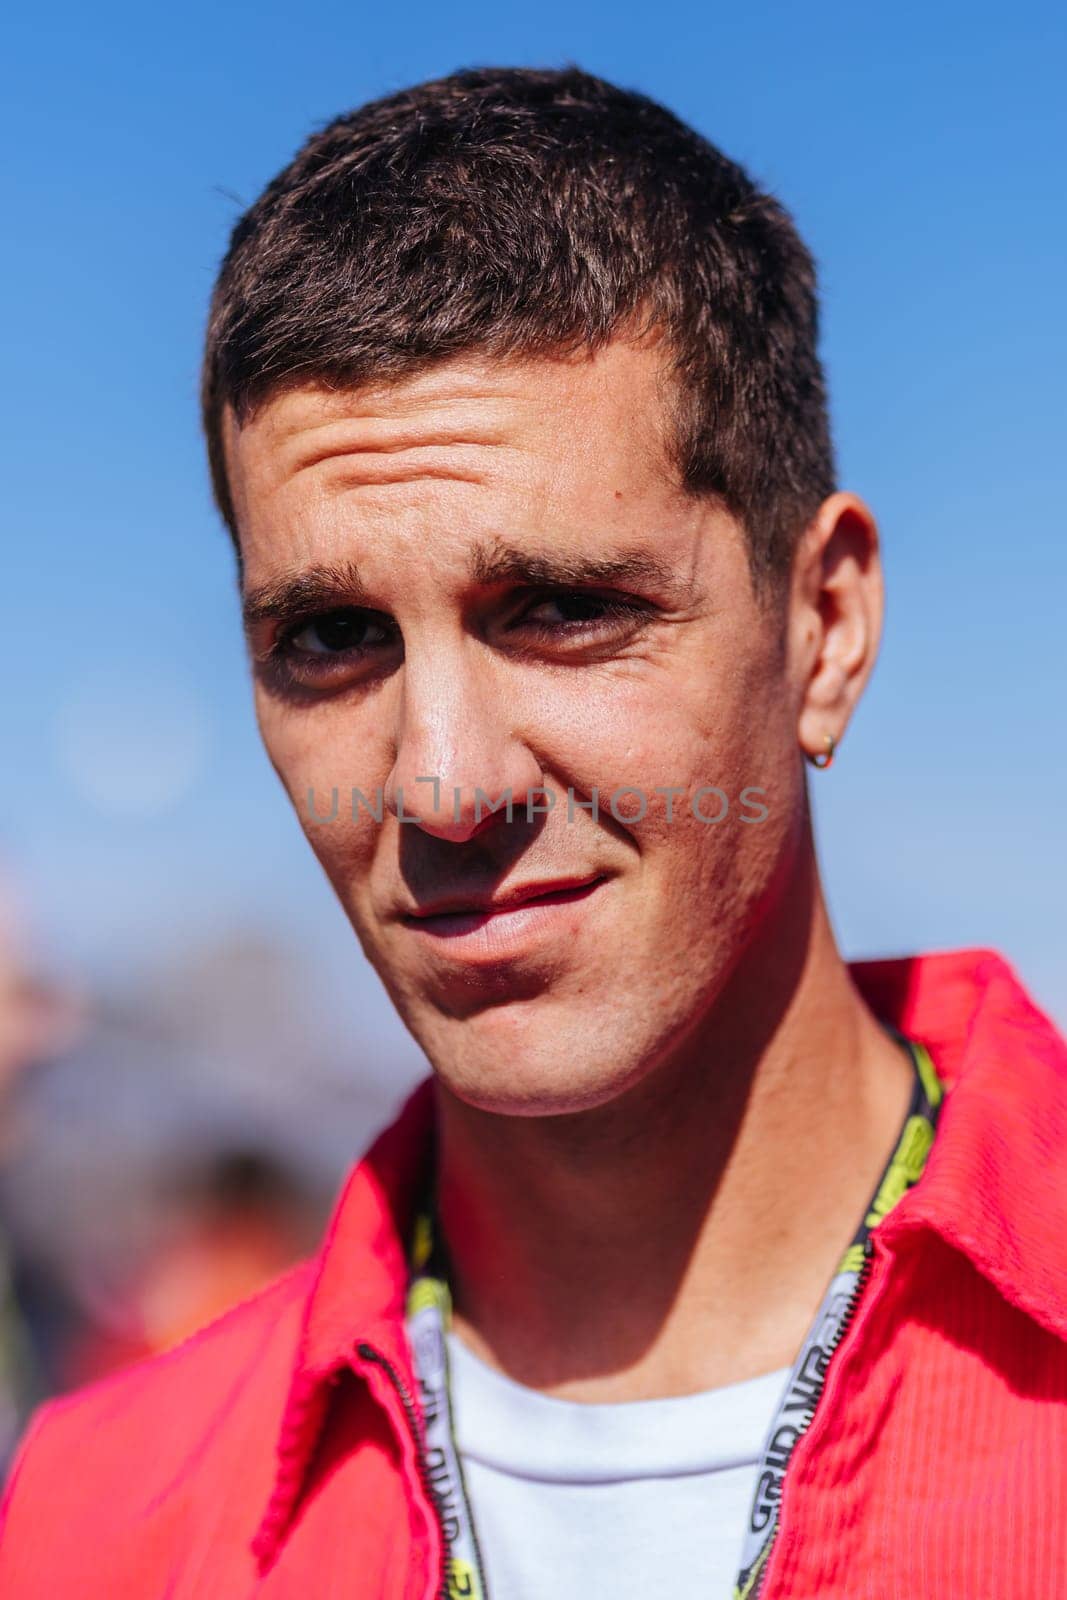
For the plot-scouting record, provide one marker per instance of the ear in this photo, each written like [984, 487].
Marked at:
[836, 605]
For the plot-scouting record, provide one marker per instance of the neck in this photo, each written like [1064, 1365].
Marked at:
[680, 1237]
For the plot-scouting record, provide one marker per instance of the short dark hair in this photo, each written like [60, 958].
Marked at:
[519, 212]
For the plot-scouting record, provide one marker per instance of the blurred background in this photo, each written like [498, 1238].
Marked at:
[192, 1048]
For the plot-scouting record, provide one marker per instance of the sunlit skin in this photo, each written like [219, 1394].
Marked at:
[662, 1102]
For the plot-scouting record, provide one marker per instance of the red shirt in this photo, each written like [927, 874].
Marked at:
[273, 1454]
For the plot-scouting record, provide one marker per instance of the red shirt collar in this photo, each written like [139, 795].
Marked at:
[995, 1184]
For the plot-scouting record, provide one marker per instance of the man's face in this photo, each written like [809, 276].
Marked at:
[488, 576]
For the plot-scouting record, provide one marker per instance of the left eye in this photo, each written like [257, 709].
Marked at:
[578, 608]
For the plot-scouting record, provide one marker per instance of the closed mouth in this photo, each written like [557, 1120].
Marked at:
[559, 892]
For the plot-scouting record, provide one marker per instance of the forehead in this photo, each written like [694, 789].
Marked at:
[589, 432]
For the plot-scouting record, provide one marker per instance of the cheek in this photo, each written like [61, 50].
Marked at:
[610, 731]
[714, 846]
[334, 769]
[634, 739]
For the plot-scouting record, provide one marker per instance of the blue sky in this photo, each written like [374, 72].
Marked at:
[921, 151]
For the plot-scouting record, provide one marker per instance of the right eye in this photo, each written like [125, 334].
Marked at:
[335, 633]
[327, 650]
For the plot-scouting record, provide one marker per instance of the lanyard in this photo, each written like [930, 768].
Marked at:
[429, 1310]
[808, 1377]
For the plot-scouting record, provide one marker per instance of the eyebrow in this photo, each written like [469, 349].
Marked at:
[287, 599]
[504, 563]
[326, 587]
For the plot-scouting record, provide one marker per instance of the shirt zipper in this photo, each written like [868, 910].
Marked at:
[407, 1400]
[806, 1420]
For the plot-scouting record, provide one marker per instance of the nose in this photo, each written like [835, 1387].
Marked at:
[459, 760]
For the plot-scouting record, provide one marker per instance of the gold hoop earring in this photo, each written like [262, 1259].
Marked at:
[825, 758]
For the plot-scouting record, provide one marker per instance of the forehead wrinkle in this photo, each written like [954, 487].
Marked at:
[385, 442]
[442, 389]
[347, 458]
[370, 476]
[387, 418]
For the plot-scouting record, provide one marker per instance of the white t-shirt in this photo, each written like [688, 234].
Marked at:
[573, 1501]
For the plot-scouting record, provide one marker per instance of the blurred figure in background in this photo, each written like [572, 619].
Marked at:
[218, 1224]
[37, 1020]
[127, 1231]
[231, 1222]
[240, 1218]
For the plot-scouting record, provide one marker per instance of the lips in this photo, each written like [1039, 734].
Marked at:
[555, 891]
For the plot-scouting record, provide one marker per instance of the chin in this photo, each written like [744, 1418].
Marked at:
[530, 1097]
[534, 1072]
